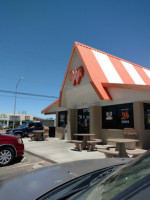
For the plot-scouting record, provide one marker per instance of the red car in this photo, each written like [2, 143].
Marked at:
[10, 147]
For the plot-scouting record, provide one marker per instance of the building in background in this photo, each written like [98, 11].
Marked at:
[8, 119]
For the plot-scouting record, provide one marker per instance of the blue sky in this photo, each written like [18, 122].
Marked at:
[36, 39]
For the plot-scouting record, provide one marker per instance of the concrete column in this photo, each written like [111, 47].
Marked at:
[143, 135]
[96, 120]
[56, 119]
[71, 123]
[138, 113]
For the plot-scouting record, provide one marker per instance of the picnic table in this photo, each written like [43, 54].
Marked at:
[120, 145]
[39, 135]
[86, 137]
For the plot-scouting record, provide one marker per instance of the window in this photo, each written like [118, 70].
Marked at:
[62, 119]
[118, 116]
[31, 125]
[27, 118]
[83, 120]
[147, 115]
[38, 125]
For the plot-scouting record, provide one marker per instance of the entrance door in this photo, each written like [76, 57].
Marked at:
[83, 120]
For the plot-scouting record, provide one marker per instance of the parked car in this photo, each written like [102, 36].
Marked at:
[10, 147]
[2, 126]
[25, 129]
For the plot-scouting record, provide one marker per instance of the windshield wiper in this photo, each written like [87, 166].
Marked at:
[80, 184]
[93, 182]
[71, 193]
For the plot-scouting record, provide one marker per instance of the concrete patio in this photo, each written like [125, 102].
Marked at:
[58, 151]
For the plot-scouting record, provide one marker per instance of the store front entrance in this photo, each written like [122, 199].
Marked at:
[83, 120]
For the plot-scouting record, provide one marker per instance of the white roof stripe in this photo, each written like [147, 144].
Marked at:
[133, 73]
[107, 67]
[147, 72]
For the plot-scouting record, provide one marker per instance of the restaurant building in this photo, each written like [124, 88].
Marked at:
[102, 94]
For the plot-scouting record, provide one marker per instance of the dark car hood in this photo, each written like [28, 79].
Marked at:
[34, 184]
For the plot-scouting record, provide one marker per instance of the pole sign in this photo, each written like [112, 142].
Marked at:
[4, 116]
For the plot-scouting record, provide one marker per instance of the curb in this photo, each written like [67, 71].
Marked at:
[41, 157]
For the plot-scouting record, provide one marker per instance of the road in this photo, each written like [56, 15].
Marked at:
[28, 163]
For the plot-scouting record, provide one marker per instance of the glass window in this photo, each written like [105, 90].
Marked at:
[118, 116]
[109, 117]
[62, 119]
[125, 116]
[147, 115]
[39, 125]
[83, 120]
[31, 124]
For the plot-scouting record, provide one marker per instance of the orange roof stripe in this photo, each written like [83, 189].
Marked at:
[142, 74]
[45, 109]
[80, 44]
[104, 70]
[121, 70]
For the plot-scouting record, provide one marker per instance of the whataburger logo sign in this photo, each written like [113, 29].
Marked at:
[76, 75]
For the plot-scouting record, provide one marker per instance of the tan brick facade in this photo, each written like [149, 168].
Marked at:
[95, 121]
[59, 131]
[143, 135]
[71, 123]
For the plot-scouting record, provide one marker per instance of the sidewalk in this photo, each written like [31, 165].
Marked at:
[58, 151]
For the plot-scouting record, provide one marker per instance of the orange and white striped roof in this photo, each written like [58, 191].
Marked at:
[104, 70]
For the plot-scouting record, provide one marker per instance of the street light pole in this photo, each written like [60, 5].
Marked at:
[15, 100]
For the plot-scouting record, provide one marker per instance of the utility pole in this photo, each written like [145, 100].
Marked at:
[15, 100]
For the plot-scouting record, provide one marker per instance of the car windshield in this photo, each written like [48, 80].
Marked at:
[110, 186]
[23, 125]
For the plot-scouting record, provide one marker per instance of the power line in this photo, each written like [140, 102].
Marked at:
[27, 98]
[29, 94]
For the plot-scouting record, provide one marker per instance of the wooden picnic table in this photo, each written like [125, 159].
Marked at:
[120, 145]
[39, 135]
[86, 137]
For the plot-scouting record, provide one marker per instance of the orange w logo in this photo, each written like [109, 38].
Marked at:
[76, 75]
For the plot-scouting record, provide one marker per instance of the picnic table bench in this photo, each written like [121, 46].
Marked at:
[136, 152]
[107, 146]
[31, 136]
[78, 144]
[108, 153]
[92, 143]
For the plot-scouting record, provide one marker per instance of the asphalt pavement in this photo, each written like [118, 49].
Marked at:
[22, 165]
[55, 150]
